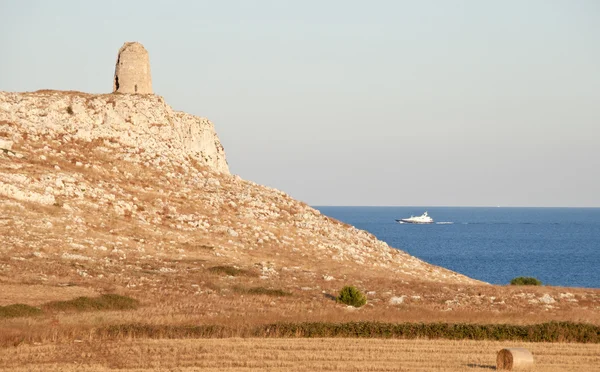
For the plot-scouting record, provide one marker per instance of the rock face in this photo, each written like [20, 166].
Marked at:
[132, 71]
[144, 125]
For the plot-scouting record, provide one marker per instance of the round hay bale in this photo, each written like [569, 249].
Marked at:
[514, 358]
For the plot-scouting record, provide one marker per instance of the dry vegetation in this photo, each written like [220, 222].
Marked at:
[236, 354]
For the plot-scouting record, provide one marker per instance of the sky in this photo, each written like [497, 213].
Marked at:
[346, 102]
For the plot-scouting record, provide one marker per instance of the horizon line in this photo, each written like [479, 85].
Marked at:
[451, 206]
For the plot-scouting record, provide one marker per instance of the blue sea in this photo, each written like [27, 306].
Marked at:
[559, 246]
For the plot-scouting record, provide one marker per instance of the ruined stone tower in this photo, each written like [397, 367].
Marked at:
[132, 72]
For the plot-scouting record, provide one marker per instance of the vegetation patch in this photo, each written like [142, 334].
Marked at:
[18, 311]
[262, 291]
[525, 280]
[230, 270]
[163, 331]
[350, 295]
[104, 302]
[544, 332]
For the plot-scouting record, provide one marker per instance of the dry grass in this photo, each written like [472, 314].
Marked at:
[237, 354]
[231, 271]
[37, 294]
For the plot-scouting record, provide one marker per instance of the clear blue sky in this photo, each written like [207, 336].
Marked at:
[353, 102]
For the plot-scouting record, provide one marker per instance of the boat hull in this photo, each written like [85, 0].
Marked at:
[415, 222]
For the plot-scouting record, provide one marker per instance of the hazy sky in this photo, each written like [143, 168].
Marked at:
[353, 102]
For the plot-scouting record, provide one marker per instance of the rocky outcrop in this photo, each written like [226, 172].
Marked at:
[144, 124]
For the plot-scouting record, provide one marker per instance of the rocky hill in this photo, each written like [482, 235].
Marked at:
[119, 193]
[132, 156]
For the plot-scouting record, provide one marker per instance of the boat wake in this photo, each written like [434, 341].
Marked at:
[510, 223]
[435, 223]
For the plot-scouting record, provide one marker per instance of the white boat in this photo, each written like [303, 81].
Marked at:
[418, 219]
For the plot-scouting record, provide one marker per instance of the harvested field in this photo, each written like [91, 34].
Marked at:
[238, 354]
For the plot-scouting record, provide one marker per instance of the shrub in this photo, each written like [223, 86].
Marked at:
[70, 110]
[104, 302]
[544, 332]
[262, 291]
[349, 295]
[525, 280]
[18, 310]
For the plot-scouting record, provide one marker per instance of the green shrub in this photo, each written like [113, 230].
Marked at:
[349, 295]
[525, 280]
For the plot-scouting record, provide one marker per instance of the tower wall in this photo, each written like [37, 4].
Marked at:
[132, 71]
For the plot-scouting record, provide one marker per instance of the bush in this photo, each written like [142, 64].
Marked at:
[18, 310]
[544, 332]
[104, 302]
[262, 291]
[349, 295]
[525, 280]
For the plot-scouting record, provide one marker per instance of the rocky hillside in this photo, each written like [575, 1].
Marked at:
[128, 156]
[120, 193]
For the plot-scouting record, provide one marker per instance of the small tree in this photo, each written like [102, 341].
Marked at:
[525, 280]
[349, 295]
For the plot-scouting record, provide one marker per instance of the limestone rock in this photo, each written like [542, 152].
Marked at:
[547, 299]
[397, 300]
[5, 144]
[139, 124]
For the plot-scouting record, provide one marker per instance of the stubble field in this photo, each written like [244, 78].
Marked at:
[328, 354]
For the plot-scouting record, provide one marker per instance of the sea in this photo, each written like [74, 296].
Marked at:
[559, 246]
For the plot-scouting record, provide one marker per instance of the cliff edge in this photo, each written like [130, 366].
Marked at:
[144, 126]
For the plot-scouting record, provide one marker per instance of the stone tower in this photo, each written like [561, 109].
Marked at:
[132, 72]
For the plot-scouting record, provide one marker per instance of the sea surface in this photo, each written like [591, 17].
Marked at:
[559, 246]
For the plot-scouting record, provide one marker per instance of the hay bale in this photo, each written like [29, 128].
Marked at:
[514, 358]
